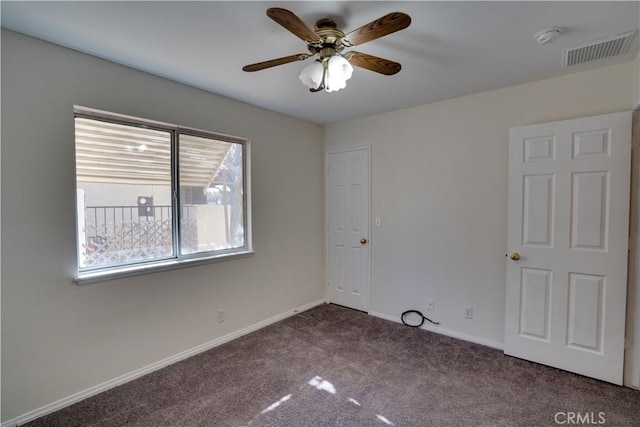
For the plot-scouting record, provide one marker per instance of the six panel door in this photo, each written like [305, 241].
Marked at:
[568, 213]
[348, 215]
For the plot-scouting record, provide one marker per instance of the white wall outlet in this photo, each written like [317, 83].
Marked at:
[431, 304]
[468, 312]
[220, 316]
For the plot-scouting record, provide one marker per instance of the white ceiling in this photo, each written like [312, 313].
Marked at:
[451, 49]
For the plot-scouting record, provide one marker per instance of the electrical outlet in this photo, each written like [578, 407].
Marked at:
[431, 303]
[220, 316]
[468, 312]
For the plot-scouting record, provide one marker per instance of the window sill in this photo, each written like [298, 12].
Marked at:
[89, 277]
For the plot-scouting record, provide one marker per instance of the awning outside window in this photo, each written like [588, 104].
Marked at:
[115, 153]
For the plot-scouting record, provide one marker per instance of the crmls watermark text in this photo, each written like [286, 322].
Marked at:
[580, 418]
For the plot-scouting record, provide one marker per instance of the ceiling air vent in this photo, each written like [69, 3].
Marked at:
[599, 49]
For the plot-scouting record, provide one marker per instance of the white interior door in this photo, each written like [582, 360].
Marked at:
[349, 255]
[568, 221]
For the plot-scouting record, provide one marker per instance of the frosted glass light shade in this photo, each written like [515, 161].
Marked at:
[311, 75]
[338, 72]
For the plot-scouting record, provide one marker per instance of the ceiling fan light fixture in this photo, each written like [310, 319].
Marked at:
[339, 70]
[311, 75]
[336, 70]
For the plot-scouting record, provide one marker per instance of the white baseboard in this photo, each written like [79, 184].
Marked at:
[447, 332]
[91, 391]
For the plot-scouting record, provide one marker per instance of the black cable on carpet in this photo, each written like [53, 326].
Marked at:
[423, 318]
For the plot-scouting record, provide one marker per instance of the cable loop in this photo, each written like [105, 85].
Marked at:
[423, 318]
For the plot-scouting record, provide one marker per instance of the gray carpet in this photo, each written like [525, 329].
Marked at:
[332, 366]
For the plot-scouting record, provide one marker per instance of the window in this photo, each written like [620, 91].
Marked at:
[153, 195]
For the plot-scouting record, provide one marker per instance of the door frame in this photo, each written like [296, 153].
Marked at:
[632, 336]
[368, 149]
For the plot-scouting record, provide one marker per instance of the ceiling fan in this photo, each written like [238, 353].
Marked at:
[332, 68]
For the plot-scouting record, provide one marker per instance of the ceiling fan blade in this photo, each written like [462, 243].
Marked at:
[373, 63]
[273, 62]
[388, 24]
[294, 24]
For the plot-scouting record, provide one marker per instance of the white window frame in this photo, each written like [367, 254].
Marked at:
[100, 274]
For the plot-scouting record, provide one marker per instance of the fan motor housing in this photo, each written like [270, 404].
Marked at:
[328, 31]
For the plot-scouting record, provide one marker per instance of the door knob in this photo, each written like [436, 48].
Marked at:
[363, 241]
[515, 256]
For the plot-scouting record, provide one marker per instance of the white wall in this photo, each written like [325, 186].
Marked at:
[439, 184]
[59, 338]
